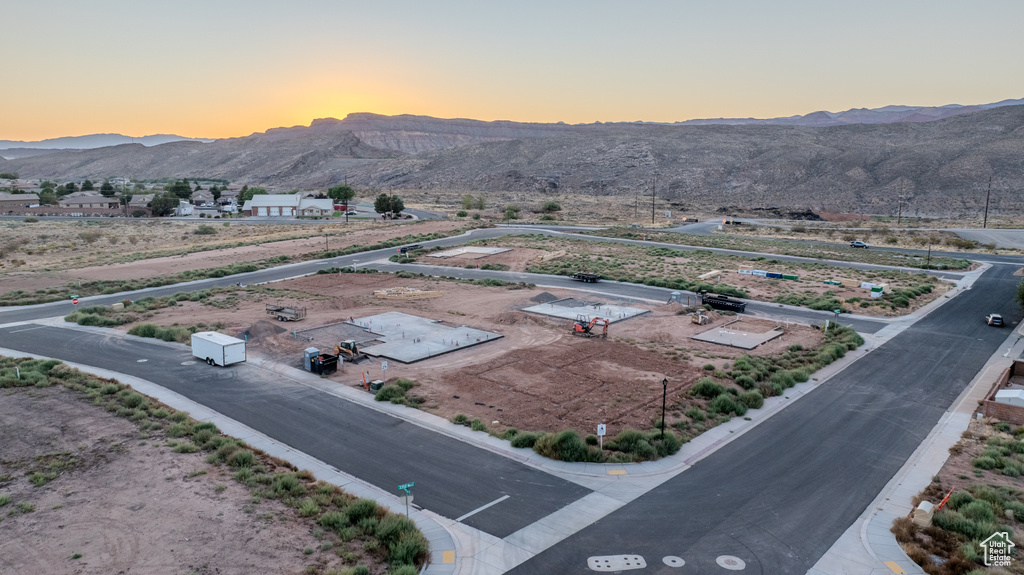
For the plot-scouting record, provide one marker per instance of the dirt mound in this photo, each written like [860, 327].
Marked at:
[512, 318]
[544, 297]
[261, 329]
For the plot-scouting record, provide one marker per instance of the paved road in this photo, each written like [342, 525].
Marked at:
[452, 478]
[782, 494]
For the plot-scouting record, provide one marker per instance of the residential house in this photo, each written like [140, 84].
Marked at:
[17, 201]
[87, 200]
[141, 200]
[288, 205]
[202, 197]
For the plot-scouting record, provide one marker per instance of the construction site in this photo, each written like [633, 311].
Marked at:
[529, 358]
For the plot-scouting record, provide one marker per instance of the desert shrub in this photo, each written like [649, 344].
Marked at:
[361, 509]
[752, 399]
[709, 367]
[978, 510]
[706, 388]
[725, 404]
[958, 499]
[241, 458]
[460, 419]
[563, 446]
[954, 521]
[746, 382]
[526, 439]
[308, 507]
[461, 214]
[984, 463]
[389, 392]
[695, 413]
[405, 384]
[333, 520]
[477, 425]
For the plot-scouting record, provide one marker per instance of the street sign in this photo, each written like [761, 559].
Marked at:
[600, 429]
[406, 486]
[406, 500]
[383, 366]
[74, 301]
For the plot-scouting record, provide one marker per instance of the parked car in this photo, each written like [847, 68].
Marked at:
[994, 319]
[351, 213]
[858, 244]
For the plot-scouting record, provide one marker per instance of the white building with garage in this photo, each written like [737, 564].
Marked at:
[287, 205]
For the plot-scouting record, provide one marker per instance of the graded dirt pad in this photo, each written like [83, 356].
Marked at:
[128, 505]
[536, 377]
[59, 248]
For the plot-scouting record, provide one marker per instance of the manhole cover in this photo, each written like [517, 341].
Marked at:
[615, 563]
[188, 363]
[731, 563]
[673, 561]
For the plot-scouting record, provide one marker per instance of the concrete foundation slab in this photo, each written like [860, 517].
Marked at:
[325, 337]
[733, 335]
[569, 308]
[408, 338]
[468, 252]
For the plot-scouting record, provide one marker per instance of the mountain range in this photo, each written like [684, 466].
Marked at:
[941, 167]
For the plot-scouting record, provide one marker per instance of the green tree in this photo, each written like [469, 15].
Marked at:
[215, 191]
[512, 212]
[480, 204]
[181, 188]
[47, 184]
[47, 196]
[126, 198]
[70, 188]
[139, 187]
[107, 189]
[388, 204]
[8, 176]
[341, 194]
[247, 193]
[1020, 293]
[87, 186]
[468, 201]
[164, 204]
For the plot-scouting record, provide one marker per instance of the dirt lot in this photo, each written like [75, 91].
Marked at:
[50, 254]
[630, 262]
[537, 377]
[126, 504]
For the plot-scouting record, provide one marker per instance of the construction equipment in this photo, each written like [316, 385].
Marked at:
[584, 326]
[700, 319]
[284, 313]
[586, 277]
[349, 351]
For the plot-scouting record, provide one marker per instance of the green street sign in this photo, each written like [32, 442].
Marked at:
[406, 486]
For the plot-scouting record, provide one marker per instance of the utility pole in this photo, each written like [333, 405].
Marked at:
[984, 223]
[636, 204]
[899, 213]
[654, 188]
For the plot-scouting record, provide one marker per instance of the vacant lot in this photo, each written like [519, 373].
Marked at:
[664, 267]
[85, 491]
[45, 255]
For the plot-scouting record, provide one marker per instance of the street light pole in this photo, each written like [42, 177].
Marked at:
[664, 393]
[654, 188]
[984, 223]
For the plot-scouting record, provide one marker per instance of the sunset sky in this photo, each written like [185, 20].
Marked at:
[222, 68]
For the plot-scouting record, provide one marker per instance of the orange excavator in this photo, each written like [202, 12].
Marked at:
[584, 326]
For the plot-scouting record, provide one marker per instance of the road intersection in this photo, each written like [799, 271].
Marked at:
[773, 496]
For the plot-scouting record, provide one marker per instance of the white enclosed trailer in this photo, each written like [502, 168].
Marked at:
[217, 349]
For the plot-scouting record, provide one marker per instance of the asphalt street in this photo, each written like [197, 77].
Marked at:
[779, 496]
[452, 478]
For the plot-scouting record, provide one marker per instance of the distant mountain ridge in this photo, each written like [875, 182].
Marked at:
[883, 115]
[940, 166]
[95, 141]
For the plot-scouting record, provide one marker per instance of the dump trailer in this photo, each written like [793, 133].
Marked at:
[217, 349]
[723, 303]
[586, 277]
[285, 313]
[349, 351]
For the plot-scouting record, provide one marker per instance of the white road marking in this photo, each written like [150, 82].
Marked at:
[616, 563]
[731, 563]
[673, 561]
[26, 329]
[479, 509]
[142, 361]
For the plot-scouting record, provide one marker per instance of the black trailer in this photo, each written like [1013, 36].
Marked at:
[723, 303]
[586, 277]
[323, 364]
